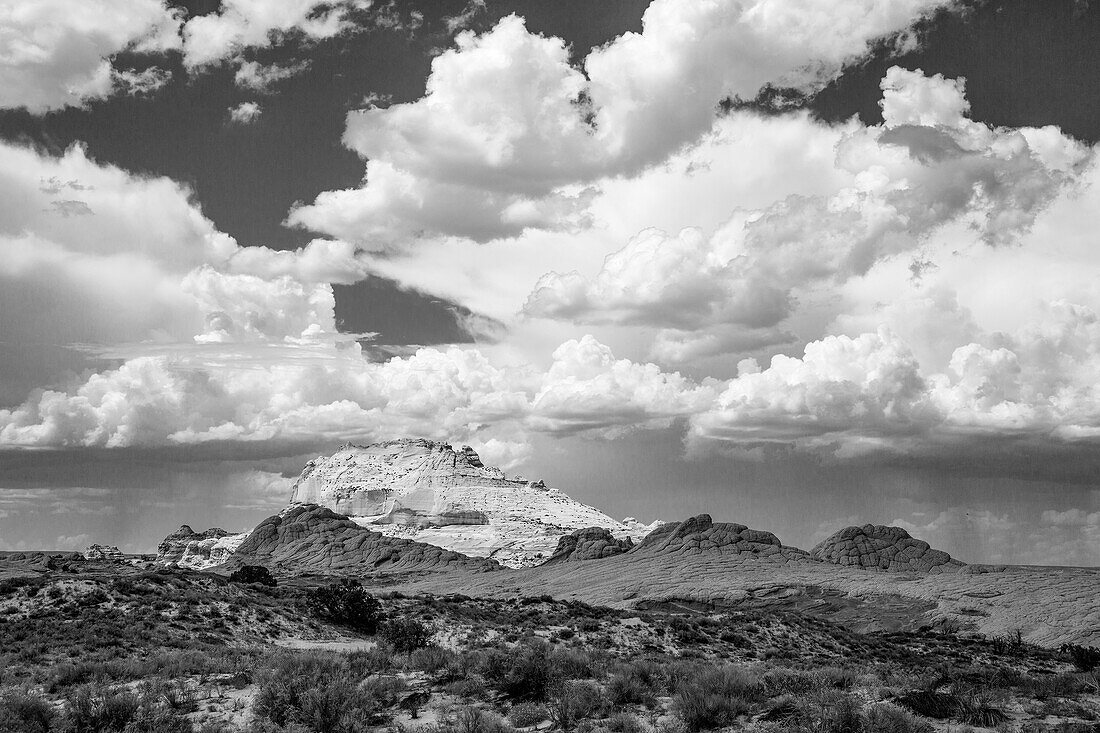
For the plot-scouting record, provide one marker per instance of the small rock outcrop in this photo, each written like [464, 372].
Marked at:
[701, 534]
[186, 548]
[310, 539]
[103, 552]
[590, 543]
[877, 547]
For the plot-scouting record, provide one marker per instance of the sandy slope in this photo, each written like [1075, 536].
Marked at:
[1050, 606]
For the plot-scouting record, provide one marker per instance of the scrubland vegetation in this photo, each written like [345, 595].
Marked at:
[193, 652]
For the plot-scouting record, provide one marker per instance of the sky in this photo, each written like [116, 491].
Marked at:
[798, 264]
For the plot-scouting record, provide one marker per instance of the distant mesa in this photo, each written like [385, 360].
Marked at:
[103, 552]
[877, 547]
[186, 548]
[590, 543]
[701, 534]
[310, 539]
[428, 491]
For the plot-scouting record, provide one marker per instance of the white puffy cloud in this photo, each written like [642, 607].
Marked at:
[240, 24]
[245, 113]
[260, 78]
[319, 391]
[55, 53]
[927, 167]
[850, 396]
[508, 132]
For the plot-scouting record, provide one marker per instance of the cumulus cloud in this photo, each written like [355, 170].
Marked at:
[851, 396]
[509, 132]
[58, 54]
[241, 24]
[245, 113]
[926, 167]
[260, 78]
[331, 393]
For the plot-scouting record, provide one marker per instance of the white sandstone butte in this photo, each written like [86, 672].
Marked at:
[430, 492]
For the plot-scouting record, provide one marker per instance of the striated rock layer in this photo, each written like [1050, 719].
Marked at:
[590, 543]
[186, 548]
[103, 552]
[876, 547]
[700, 534]
[309, 539]
[430, 492]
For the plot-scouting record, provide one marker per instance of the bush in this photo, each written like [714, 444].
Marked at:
[100, 709]
[1084, 658]
[473, 720]
[253, 574]
[715, 697]
[886, 718]
[316, 691]
[524, 714]
[407, 634]
[347, 604]
[24, 712]
[572, 701]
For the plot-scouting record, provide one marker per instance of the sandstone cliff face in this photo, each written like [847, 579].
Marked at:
[590, 543]
[701, 534]
[186, 548]
[430, 492]
[313, 539]
[876, 547]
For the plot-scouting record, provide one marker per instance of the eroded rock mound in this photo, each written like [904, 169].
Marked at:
[877, 547]
[316, 540]
[186, 548]
[701, 534]
[433, 493]
[103, 552]
[590, 543]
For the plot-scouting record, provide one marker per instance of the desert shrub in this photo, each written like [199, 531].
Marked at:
[316, 691]
[979, 708]
[436, 660]
[96, 708]
[253, 574]
[567, 663]
[714, 697]
[524, 714]
[572, 701]
[24, 712]
[886, 718]
[347, 604]
[625, 723]
[522, 673]
[474, 720]
[1084, 658]
[406, 634]
[930, 703]
[627, 687]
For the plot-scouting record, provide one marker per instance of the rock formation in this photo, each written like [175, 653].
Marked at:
[428, 491]
[186, 548]
[590, 543]
[316, 540]
[876, 547]
[103, 552]
[701, 534]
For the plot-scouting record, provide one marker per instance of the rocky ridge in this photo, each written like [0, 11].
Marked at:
[701, 534]
[433, 493]
[186, 548]
[877, 547]
[590, 543]
[310, 539]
